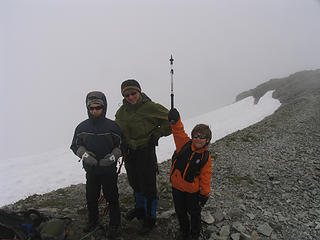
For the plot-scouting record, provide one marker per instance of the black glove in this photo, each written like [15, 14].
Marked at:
[86, 156]
[202, 200]
[111, 158]
[173, 116]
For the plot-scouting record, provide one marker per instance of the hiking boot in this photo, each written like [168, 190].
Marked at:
[135, 213]
[112, 233]
[90, 226]
[147, 226]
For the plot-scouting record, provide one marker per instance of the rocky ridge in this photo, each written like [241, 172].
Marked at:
[265, 177]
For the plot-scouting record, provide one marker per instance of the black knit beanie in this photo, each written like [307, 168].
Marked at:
[130, 84]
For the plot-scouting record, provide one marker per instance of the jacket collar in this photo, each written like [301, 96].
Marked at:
[142, 99]
[201, 150]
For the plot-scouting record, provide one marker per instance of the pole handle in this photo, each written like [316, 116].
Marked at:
[172, 105]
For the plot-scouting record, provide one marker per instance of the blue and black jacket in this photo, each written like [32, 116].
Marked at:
[99, 135]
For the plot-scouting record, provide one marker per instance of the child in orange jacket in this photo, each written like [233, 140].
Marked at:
[190, 174]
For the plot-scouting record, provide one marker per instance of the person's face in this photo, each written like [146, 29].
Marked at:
[131, 96]
[199, 140]
[95, 109]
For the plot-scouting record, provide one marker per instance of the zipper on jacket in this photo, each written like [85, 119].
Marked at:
[173, 167]
[185, 171]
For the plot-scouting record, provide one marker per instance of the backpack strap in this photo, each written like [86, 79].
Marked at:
[204, 159]
[184, 148]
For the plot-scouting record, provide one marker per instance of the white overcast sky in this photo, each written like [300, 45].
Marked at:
[52, 52]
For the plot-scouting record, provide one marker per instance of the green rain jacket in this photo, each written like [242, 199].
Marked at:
[138, 122]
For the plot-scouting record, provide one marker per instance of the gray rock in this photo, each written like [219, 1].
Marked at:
[207, 217]
[218, 215]
[166, 214]
[213, 236]
[265, 229]
[245, 236]
[225, 230]
[238, 226]
[235, 236]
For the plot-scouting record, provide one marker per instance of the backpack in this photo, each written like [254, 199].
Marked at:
[33, 225]
[56, 229]
[19, 225]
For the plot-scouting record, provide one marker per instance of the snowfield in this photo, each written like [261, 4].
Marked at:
[25, 176]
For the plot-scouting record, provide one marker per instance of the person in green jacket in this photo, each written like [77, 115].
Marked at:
[142, 123]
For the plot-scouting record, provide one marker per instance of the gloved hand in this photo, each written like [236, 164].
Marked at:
[202, 200]
[111, 158]
[154, 139]
[89, 160]
[81, 150]
[87, 157]
[173, 116]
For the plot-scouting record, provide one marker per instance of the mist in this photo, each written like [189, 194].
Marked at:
[53, 52]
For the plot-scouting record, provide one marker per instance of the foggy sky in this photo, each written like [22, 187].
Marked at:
[53, 52]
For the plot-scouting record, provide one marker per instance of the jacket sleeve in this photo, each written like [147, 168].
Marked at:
[179, 135]
[161, 114]
[74, 145]
[122, 143]
[205, 178]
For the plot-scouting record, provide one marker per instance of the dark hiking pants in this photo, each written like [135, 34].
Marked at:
[108, 181]
[141, 167]
[185, 203]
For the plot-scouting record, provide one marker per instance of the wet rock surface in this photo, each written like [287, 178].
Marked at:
[265, 179]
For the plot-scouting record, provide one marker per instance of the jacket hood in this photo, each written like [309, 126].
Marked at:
[96, 97]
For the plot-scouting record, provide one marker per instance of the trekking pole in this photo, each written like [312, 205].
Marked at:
[171, 72]
[121, 163]
[91, 233]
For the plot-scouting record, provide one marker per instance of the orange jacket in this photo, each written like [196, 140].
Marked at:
[202, 180]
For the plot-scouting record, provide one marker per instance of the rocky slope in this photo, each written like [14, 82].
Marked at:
[265, 177]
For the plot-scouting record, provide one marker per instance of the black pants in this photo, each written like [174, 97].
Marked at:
[185, 203]
[141, 166]
[108, 182]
